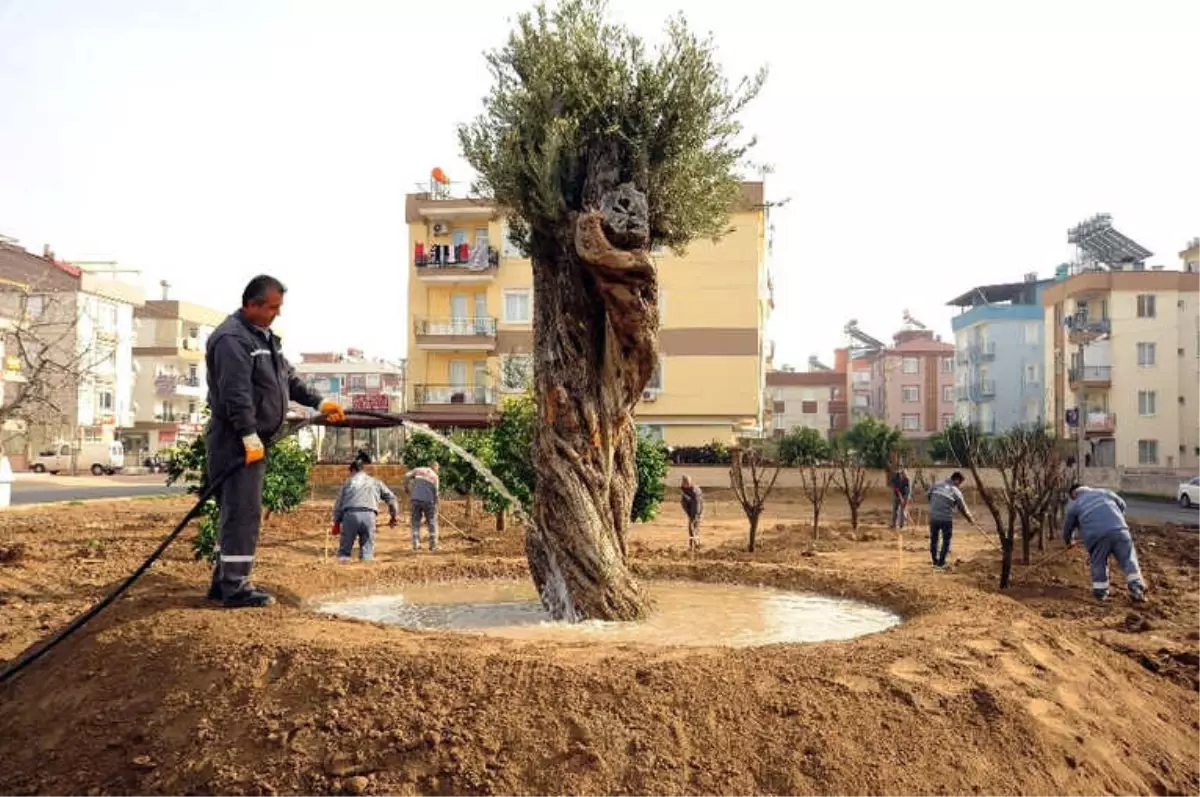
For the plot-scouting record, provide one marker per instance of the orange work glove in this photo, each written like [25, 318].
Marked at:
[254, 448]
[336, 531]
[332, 411]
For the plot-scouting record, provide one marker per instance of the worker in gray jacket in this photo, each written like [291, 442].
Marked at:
[422, 486]
[249, 385]
[356, 509]
[1100, 517]
[945, 498]
[692, 499]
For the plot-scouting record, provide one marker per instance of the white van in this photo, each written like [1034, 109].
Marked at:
[99, 458]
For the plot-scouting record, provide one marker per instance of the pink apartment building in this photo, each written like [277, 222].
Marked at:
[912, 384]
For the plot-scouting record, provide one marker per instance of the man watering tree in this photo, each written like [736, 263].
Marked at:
[249, 385]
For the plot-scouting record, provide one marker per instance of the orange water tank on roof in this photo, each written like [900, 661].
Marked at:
[439, 176]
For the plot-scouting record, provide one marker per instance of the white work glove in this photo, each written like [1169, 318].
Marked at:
[254, 448]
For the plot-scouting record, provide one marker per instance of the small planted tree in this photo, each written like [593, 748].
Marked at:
[752, 476]
[599, 150]
[285, 485]
[815, 483]
[1027, 462]
[850, 477]
[653, 462]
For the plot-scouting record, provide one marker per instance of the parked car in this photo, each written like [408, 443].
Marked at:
[1189, 493]
[99, 458]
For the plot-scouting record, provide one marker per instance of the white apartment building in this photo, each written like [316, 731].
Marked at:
[171, 385]
[1140, 379]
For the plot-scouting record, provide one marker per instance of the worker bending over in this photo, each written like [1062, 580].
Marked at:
[1100, 517]
[945, 497]
[422, 486]
[901, 495]
[356, 509]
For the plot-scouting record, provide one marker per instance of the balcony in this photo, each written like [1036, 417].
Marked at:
[986, 388]
[1091, 376]
[459, 265]
[978, 352]
[837, 407]
[1081, 329]
[453, 405]
[188, 349]
[962, 393]
[1100, 424]
[166, 385]
[457, 334]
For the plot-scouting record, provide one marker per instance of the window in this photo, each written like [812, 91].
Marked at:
[947, 365]
[1147, 402]
[947, 420]
[862, 401]
[104, 400]
[808, 407]
[1146, 354]
[1031, 333]
[779, 423]
[193, 375]
[193, 332]
[910, 423]
[372, 380]
[650, 432]
[947, 393]
[356, 381]
[911, 394]
[1147, 452]
[1145, 305]
[35, 306]
[510, 249]
[862, 377]
[517, 307]
[1031, 373]
[656, 378]
[516, 372]
[910, 365]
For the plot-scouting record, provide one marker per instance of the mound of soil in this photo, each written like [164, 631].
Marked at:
[977, 692]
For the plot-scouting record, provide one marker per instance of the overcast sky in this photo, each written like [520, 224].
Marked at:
[925, 146]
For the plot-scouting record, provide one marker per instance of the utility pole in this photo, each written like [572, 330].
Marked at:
[1080, 414]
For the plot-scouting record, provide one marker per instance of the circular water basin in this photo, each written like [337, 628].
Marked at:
[685, 613]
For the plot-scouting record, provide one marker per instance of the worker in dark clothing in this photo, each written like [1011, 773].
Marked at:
[901, 494]
[692, 500]
[249, 386]
[945, 498]
[356, 509]
[1099, 517]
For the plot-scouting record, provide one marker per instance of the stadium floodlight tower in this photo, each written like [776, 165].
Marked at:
[1098, 245]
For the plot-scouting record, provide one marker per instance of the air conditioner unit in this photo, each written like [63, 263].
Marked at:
[649, 395]
[440, 228]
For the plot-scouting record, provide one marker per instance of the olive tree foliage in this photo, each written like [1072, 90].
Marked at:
[599, 149]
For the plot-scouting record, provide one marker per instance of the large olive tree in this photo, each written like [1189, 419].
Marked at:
[600, 150]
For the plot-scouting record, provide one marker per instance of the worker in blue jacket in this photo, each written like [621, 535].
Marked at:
[1100, 517]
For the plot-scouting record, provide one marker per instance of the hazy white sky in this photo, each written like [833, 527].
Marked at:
[926, 146]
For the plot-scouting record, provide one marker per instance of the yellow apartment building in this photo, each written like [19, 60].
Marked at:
[470, 307]
[1141, 383]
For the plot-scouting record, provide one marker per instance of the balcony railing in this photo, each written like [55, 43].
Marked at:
[454, 394]
[1100, 423]
[177, 417]
[962, 393]
[986, 387]
[982, 351]
[484, 326]
[461, 256]
[1091, 373]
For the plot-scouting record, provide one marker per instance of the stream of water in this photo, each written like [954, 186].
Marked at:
[685, 613]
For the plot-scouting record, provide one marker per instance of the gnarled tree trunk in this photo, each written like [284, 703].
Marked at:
[595, 346]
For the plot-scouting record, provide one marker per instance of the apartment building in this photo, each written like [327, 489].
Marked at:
[171, 387]
[913, 384]
[1138, 375]
[354, 380]
[471, 313]
[998, 342]
[82, 313]
[815, 399]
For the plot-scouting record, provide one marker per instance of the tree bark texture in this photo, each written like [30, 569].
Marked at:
[595, 347]
[753, 532]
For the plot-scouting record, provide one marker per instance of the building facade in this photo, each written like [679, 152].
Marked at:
[999, 353]
[913, 384]
[1138, 376]
[813, 400]
[471, 323]
[82, 316]
[353, 380]
[171, 380]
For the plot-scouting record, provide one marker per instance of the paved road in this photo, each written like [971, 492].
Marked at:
[1162, 512]
[45, 489]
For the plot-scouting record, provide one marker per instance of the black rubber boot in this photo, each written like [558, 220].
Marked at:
[250, 599]
[214, 592]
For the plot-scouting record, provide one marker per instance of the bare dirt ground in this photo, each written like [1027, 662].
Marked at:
[1036, 690]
